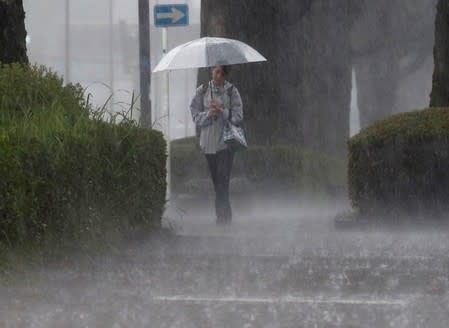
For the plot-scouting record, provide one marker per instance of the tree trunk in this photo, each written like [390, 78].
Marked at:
[326, 77]
[12, 32]
[440, 83]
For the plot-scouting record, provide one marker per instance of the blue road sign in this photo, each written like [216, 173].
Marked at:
[171, 15]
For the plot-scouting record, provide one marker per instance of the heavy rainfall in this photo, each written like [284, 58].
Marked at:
[209, 163]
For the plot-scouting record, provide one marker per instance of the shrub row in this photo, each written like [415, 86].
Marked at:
[67, 176]
[285, 167]
[402, 164]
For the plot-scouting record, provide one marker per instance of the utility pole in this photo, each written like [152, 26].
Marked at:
[111, 52]
[145, 65]
[67, 41]
[167, 109]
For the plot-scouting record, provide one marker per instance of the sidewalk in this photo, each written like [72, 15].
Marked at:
[293, 270]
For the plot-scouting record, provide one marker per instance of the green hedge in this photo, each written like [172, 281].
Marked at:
[286, 167]
[402, 163]
[67, 176]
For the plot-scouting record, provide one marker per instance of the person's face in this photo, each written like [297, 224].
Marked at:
[217, 74]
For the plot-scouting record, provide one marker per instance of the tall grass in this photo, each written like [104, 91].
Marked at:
[68, 175]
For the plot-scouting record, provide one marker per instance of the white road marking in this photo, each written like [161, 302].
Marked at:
[281, 300]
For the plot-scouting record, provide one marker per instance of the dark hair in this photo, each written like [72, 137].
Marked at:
[226, 69]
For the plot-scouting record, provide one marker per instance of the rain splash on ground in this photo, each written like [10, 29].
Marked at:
[280, 264]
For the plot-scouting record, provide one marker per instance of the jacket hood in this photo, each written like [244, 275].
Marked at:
[226, 85]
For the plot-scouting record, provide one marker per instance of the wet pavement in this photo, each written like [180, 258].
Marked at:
[275, 266]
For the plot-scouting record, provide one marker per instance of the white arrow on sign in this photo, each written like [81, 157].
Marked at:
[175, 15]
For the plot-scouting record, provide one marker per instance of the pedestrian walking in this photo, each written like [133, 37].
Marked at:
[216, 106]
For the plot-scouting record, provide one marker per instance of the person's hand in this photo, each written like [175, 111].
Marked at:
[219, 110]
[215, 109]
[214, 105]
[212, 112]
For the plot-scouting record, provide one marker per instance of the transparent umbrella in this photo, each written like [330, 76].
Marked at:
[204, 52]
[208, 52]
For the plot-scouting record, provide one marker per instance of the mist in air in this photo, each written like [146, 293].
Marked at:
[333, 68]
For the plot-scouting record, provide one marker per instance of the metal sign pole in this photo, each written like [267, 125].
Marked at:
[111, 53]
[186, 111]
[67, 42]
[167, 110]
[164, 16]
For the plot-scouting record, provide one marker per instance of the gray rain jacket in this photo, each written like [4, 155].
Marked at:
[211, 128]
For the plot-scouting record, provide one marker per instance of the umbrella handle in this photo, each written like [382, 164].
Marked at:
[211, 91]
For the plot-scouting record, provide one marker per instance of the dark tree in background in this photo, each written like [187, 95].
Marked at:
[302, 94]
[325, 78]
[253, 22]
[440, 86]
[390, 41]
[12, 32]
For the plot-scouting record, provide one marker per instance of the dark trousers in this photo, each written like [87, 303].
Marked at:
[220, 167]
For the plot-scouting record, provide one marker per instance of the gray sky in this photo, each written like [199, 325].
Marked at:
[45, 20]
[96, 12]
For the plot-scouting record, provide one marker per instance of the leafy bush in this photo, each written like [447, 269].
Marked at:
[402, 163]
[286, 167]
[23, 88]
[66, 176]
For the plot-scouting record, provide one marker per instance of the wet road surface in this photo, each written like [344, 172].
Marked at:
[278, 266]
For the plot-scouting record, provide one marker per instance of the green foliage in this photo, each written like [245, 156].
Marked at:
[279, 166]
[67, 177]
[401, 163]
[23, 88]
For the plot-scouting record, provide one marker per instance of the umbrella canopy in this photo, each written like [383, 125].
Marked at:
[208, 52]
